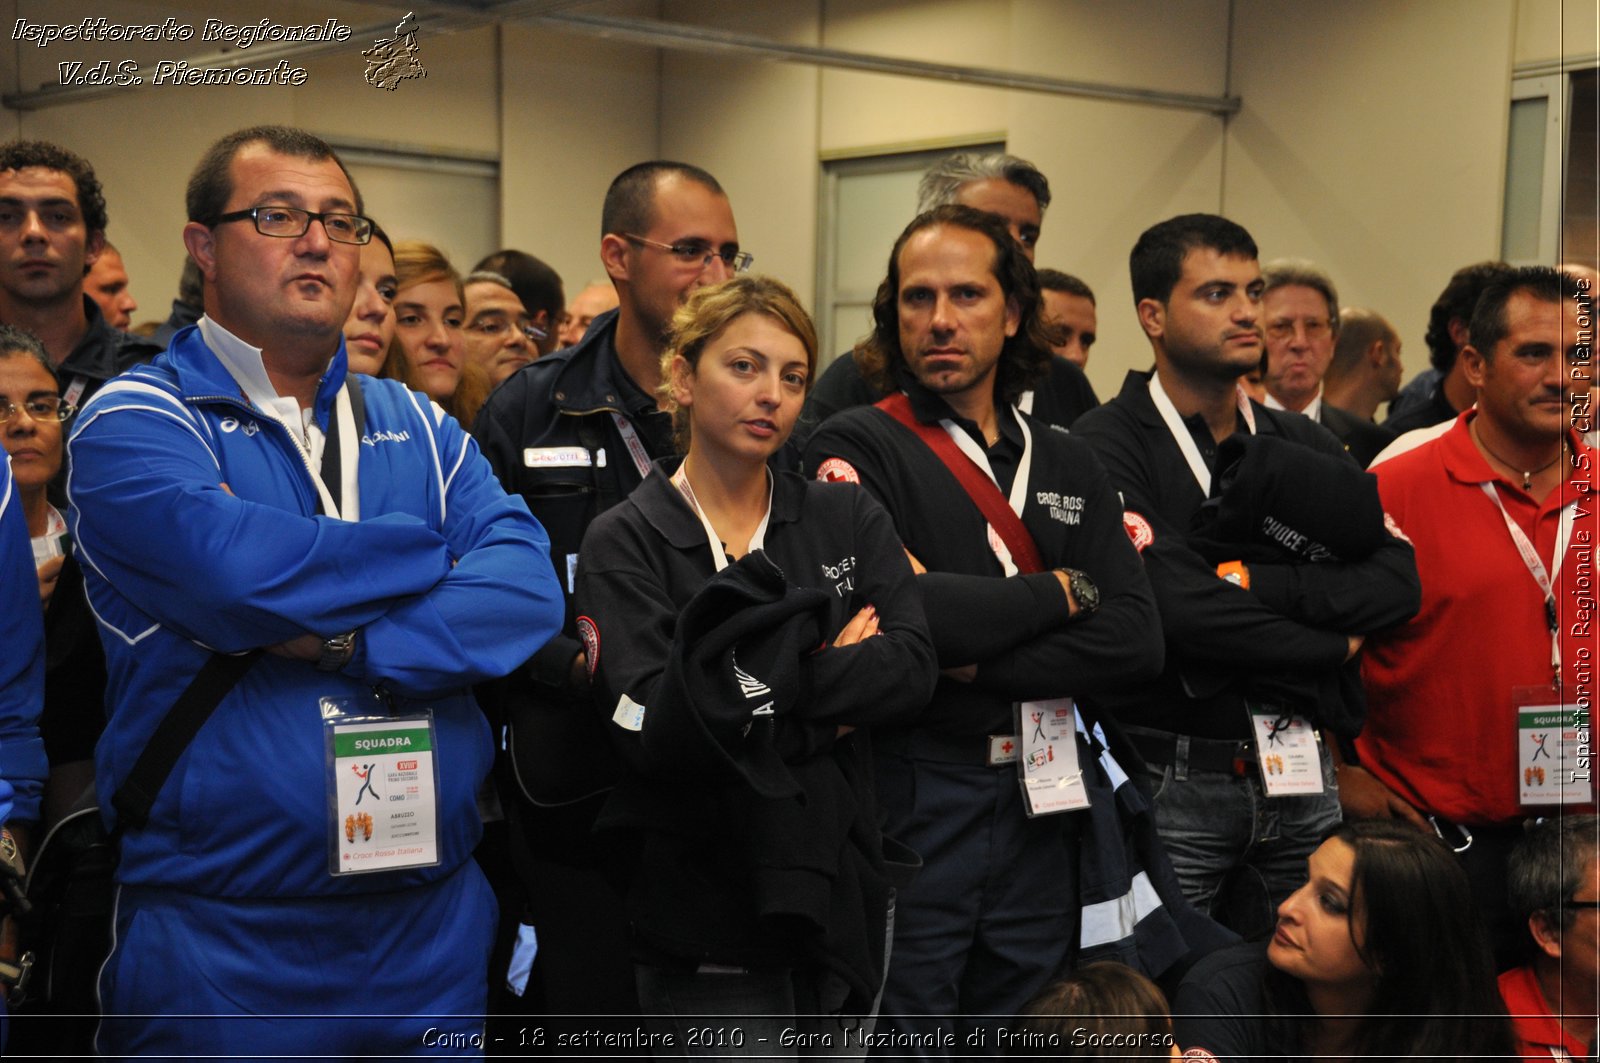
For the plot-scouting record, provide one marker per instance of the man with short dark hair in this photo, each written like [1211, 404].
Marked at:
[328, 566]
[500, 335]
[107, 285]
[1440, 392]
[52, 230]
[1244, 785]
[1300, 314]
[574, 433]
[1505, 546]
[538, 288]
[1015, 191]
[1554, 890]
[1069, 305]
[1037, 598]
[1365, 371]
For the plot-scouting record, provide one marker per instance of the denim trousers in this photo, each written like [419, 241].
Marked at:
[1239, 853]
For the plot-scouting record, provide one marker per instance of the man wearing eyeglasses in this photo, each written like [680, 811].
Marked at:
[1300, 317]
[573, 434]
[243, 494]
[52, 230]
[501, 338]
[1554, 891]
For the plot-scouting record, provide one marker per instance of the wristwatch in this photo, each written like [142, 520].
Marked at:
[336, 652]
[1084, 591]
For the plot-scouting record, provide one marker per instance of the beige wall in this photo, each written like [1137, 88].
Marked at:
[753, 125]
[576, 112]
[1380, 152]
[1551, 29]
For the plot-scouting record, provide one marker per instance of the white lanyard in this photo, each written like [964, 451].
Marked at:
[343, 422]
[1019, 482]
[1184, 438]
[719, 554]
[1530, 557]
[1025, 402]
[630, 439]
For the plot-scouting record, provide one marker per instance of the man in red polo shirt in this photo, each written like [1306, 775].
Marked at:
[1478, 706]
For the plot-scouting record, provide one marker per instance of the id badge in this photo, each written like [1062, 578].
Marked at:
[1552, 749]
[1287, 754]
[383, 787]
[1048, 765]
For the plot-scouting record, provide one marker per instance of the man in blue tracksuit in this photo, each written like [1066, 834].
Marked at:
[242, 493]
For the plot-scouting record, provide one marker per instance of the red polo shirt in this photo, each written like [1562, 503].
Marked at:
[1441, 729]
[1539, 1031]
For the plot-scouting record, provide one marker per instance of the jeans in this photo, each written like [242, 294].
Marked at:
[1239, 853]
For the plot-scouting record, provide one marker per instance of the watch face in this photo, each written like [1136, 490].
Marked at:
[1086, 592]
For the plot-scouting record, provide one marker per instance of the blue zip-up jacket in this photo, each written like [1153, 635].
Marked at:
[22, 760]
[196, 520]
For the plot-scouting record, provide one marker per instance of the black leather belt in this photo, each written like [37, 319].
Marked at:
[984, 751]
[1229, 756]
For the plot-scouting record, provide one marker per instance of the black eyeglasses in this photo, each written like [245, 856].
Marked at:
[1580, 904]
[291, 222]
[43, 408]
[697, 254]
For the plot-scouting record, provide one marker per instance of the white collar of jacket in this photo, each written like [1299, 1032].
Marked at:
[203, 374]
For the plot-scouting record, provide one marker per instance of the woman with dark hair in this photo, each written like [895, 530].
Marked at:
[740, 625]
[1380, 955]
[32, 416]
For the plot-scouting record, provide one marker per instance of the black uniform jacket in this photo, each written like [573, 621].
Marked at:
[551, 436]
[1016, 629]
[101, 354]
[1363, 439]
[717, 860]
[1293, 618]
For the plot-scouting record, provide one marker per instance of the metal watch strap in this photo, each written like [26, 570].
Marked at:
[336, 652]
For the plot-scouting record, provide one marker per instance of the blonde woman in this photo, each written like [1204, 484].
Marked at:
[744, 627]
[429, 351]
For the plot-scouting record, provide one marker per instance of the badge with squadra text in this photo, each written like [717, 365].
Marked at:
[1048, 765]
[1287, 753]
[1552, 749]
[382, 793]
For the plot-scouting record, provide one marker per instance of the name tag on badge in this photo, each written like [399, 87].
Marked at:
[1048, 767]
[1552, 749]
[382, 794]
[1287, 754]
[556, 457]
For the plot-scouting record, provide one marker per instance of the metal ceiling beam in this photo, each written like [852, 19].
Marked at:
[720, 42]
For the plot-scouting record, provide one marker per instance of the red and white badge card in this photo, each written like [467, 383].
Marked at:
[1048, 768]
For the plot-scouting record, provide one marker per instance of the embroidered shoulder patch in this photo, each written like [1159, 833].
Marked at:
[838, 471]
[590, 635]
[1138, 529]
